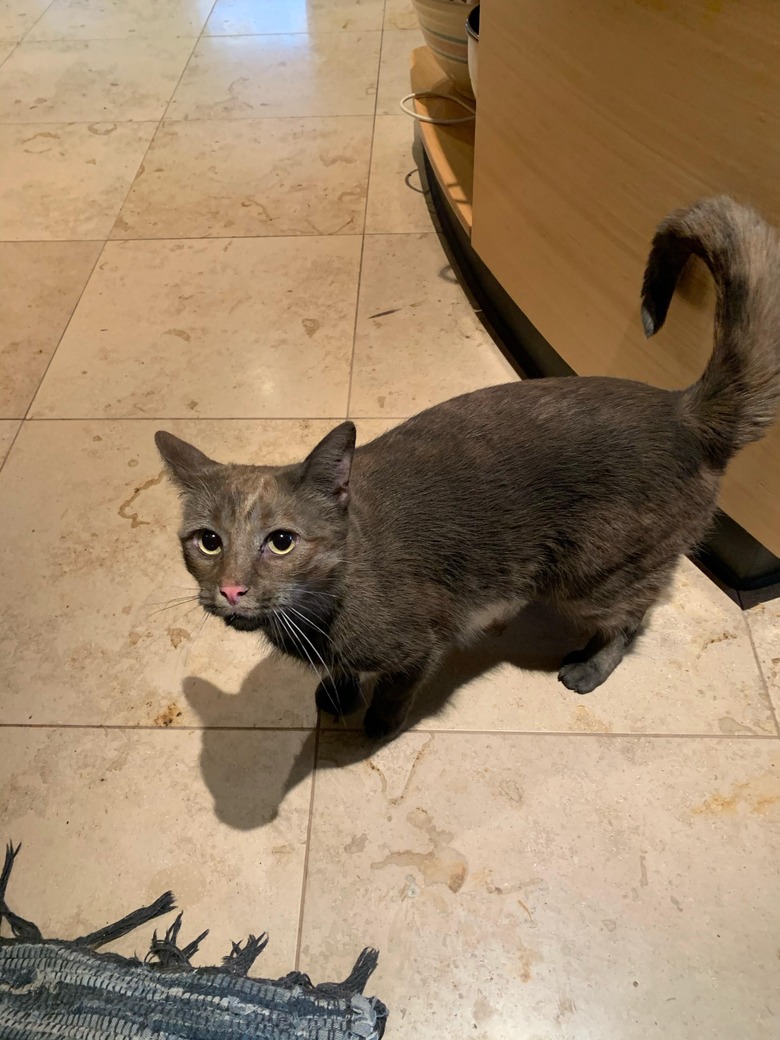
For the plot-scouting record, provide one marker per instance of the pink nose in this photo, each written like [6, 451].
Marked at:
[233, 593]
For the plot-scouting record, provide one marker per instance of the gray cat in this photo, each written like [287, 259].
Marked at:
[582, 492]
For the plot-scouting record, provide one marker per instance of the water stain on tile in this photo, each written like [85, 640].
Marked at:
[566, 1006]
[511, 790]
[333, 160]
[588, 721]
[177, 636]
[125, 506]
[720, 638]
[166, 718]
[310, 326]
[482, 1010]
[527, 958]
[415, 764]
[262, 211]
[43, 133]
[758, 795]
[643, 871]
[731, 727]
[442, 865]
[356, 844]
[507, 890]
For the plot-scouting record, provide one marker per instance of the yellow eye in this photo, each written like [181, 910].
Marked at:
[209, 543]
[281, 543]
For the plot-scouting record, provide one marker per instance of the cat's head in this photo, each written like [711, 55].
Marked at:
[264, 539]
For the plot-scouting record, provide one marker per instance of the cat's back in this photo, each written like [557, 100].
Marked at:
[521, 489]
[545, 430]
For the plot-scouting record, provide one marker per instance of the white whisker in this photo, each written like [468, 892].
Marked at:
[310, 622]
[171, 599]
[181, 590]
[314, 594]
[194, 639]
[330, 640]
[290, 621]
[175, 603]
[285, 621]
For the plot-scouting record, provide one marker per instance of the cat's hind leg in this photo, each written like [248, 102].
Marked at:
[616, 626]
[584, 670]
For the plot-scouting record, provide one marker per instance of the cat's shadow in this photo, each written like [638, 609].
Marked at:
[249, 778]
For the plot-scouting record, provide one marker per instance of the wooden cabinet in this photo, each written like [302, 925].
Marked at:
[595, 119]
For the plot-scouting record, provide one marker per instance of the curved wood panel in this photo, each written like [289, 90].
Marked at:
[595, 119]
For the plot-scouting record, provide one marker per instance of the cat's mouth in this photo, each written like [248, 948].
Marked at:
[241, 622]
[245, 622]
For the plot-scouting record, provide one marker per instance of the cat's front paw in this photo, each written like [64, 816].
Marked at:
[342, 697]
[378, 726]
[581, 676]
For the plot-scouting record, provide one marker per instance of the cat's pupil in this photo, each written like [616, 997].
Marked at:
[210, 541]
[281, 540]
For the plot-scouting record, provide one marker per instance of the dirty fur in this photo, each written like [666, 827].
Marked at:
[583, 492]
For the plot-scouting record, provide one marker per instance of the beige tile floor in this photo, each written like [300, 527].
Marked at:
[211, 220]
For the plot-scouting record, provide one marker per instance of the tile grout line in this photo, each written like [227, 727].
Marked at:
[10, 54]
[302, 32]
[315, 763]
[130, 727]
[196, 41]
[185, 119]
[13, 441]
[60, 338]
[200, 418]
[307, 852]
[365, 214]
[26, 34]
[579, 734]
[184, 35]
[107, 238]
[623, 735]
[303, 237]
[72, 40]
[12, 51]
[183, 71]
[134, 178]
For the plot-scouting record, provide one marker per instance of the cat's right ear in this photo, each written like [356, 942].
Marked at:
[185, 464]
[328, 467]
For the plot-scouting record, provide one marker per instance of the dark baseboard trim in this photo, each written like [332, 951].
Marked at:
[733, 555]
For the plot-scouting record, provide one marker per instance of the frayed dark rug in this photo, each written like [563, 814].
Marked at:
[66, 990]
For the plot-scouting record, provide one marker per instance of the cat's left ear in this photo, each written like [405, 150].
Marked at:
[328, 467]
[185, 464]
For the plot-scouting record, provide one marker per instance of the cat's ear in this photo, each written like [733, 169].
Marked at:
[328, 467]
[186, 465]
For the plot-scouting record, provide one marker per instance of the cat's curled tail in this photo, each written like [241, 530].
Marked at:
[735, 400]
